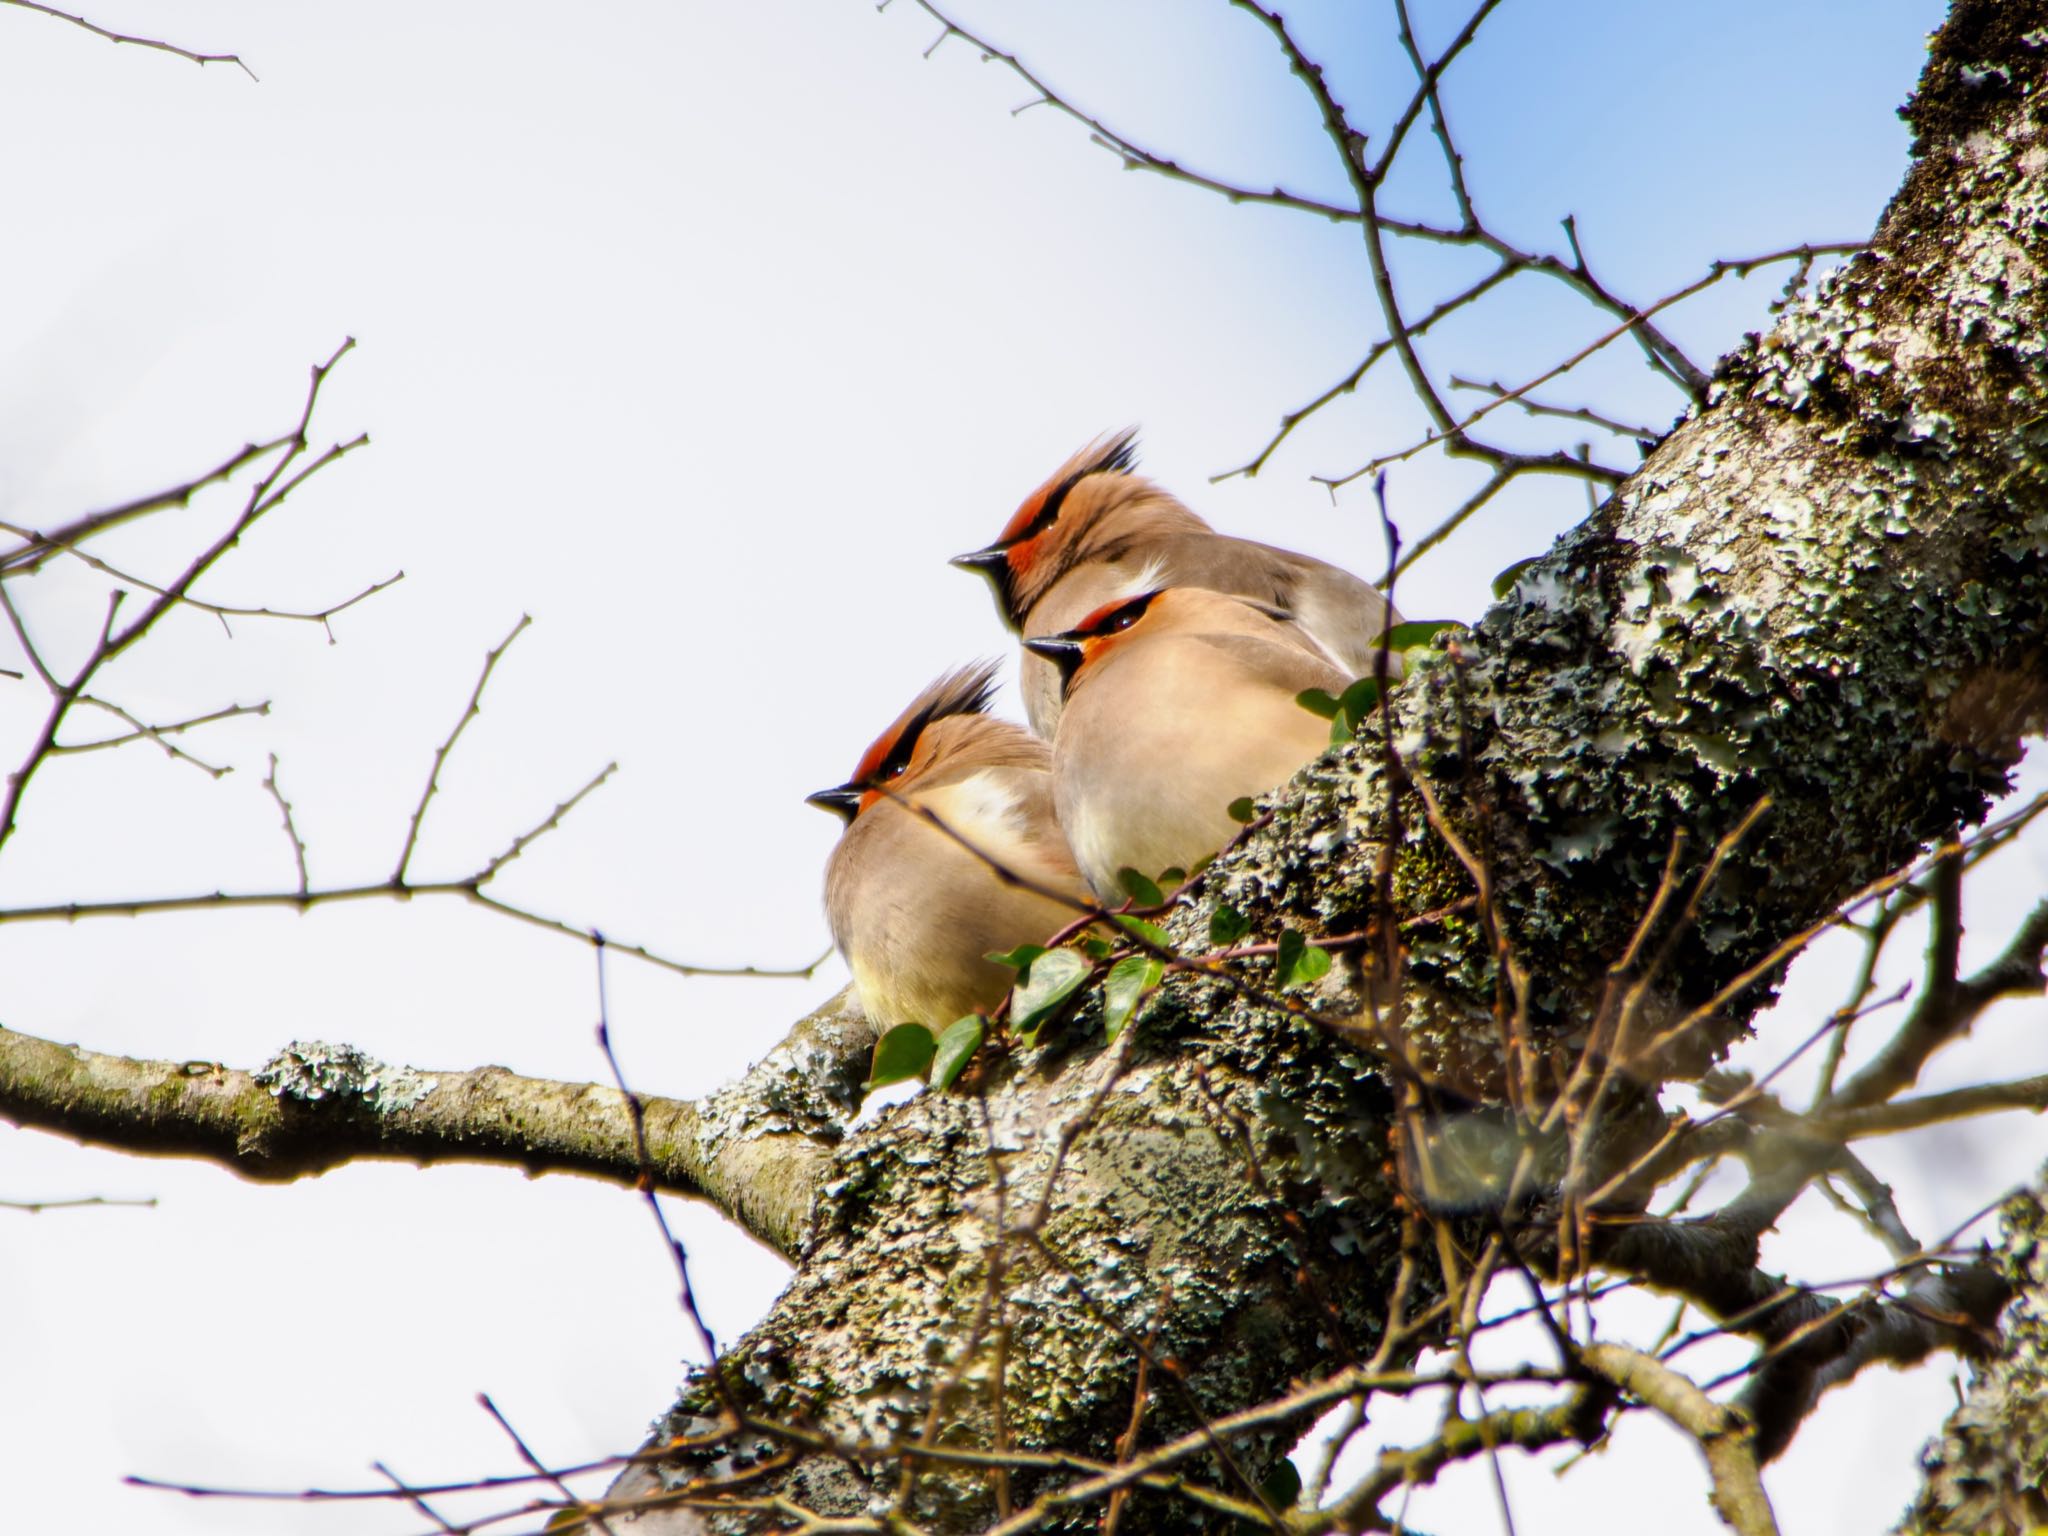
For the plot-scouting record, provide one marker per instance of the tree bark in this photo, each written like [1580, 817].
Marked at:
[1987, 1471]
[1827, 589]
[757, 1149]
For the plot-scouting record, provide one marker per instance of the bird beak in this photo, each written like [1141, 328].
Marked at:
[843, 802]
[1063, 651]
[987, 561]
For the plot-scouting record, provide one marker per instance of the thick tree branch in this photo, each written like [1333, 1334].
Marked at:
[757, 1149]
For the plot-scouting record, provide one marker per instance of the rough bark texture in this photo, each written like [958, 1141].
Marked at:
[757, 1148]
[1987, 1472]
[1829, 585]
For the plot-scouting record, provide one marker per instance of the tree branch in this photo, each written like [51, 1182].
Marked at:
[757, 1149]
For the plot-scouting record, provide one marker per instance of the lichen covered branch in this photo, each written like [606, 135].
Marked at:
[758, 1149]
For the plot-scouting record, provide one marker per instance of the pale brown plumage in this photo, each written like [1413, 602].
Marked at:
[914, 911]
[1178, 702]
[1096, 528]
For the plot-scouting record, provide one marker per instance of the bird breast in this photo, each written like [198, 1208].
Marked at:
[916, 911]
[1154, 748]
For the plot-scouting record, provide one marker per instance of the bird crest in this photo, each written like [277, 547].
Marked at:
[1114, 453]
[964, 691]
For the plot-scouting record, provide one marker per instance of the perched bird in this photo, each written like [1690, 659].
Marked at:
[916, 911]
[1081, 538]
[1178, 701]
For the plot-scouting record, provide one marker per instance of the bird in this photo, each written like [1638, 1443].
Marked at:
[1079, 539]
[1178, 701]
[916, 905]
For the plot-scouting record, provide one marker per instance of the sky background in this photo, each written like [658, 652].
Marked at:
[703, 334]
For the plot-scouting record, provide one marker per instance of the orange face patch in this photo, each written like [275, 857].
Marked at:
[1041, 509]
[1110, 625]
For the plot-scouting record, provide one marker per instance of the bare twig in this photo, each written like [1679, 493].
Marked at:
[469, 713]
[141, 42]
[291, 831]
[1723, 1435]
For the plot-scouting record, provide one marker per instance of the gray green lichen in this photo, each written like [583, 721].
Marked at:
[311, 1071]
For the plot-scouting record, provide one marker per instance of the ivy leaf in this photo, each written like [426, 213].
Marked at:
[1141, 890]
[1504, 583]
[1098, 949]
[903, 1053]
[1151, 933]
[1317, 702]
[1128, 982]
[1241, 810]
[1173, 878]
[1299, 962]
[956, 1047]
[1018, 959]
[1227, 925]
[1359, 698]
[1282, 1486]
[1353, 707]
[1291, 946]
[1041, 991]
[1406, 637]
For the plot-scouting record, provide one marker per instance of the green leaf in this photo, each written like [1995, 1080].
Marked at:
[1241, 810]
[1317, 702]
[1098, 949]
[1299, 962]
[1141, 890]
[1043, 990]
[1227, 925]
[957, 1045]
[1360, 697]
[1125, 987]
[1018, 959]
[903, 1053]
[1354, 706]
[1173, 878]
[1504, 583]
[1151, 933]
[1282, 1486]
[1406, 637]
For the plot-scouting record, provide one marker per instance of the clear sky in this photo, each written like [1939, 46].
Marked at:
[703, 334]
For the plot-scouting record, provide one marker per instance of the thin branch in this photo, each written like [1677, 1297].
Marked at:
[1586, 414]
[540, 1468]
[38, 547]
[1889, 1119]
[523, 840]
[140, 42]
[1723, 1435]
[269, 492]
[291, 830]
[156, 733]
[1452, 432]
[467, 888]
[1374, 354]
[41, 545]
[469, 713]
[1132, 156]
[1947, 1007]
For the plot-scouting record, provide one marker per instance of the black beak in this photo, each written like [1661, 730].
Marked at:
[842, 802]
[987, 561]
[1063, 651]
